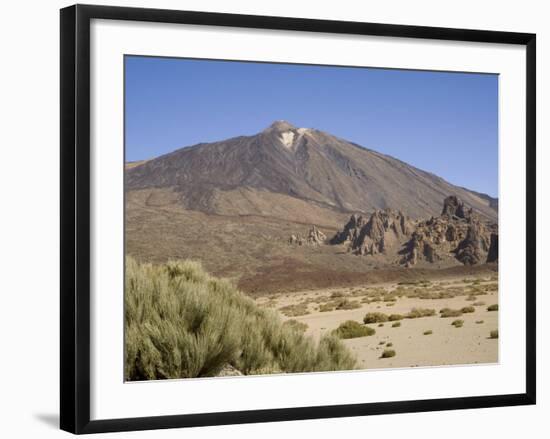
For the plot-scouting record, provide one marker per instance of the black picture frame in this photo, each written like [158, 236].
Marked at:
[75, 217]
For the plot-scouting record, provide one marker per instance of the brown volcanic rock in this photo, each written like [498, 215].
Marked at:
[314, 237]
[288, 172]
[384, 230]
[453, 207]
[457, 235]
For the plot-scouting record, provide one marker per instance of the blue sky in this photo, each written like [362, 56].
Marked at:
[445, 123]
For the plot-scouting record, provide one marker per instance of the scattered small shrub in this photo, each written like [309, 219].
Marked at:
[428, 332]
[389, 344]
[375, 317]
[299, 309]
[471, 298]
[448, 312]
[467, 309]
[493, 334]
[479, 322]
[348, 304]
[353, 329]
[395, 317]
[325, 307]
[416, 313]
[388, 353]
[380, 325]
[493, 307]
[458, 323]
[382, 342]
[479, 303]
[396, 325]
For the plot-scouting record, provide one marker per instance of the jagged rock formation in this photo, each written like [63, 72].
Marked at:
[383, 230]
[458, 234]
[314, 237]
[453, 207]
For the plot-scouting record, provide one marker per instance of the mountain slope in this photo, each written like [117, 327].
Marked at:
[290, 173]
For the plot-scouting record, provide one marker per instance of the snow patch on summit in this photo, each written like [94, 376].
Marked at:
[287, 139]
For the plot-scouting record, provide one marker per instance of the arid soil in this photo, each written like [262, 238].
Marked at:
[414, 346]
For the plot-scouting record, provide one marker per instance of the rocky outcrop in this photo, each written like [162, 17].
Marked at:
[474, 247]
[454, 208]
[458, 234]
[314, 237]
[384, 229]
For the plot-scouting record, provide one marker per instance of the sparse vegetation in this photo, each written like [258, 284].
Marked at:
[458, 323]
[388, 353]
[480, 303]
[428, 332]
[467, 309]
[493, 307]
[180, 322]
[416, 313]
[375, 317]
[479, 322]
[389, 344]
[295, 310]
[493, 334]
[448, 312]
[396, 325]
[348, 304]
[325, 307]
[395, 317]
[353, 329]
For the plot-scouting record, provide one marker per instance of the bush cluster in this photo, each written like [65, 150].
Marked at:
[182, 323]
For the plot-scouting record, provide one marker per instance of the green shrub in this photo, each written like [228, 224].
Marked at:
[181, 323]
[380, 325]
[395, 317]
[375, 317]
[325, 307]
[467, 309]
[353, 329]
[458, 323]
[448, 312]
[389, 345]
[493, 307]
[428, 332]
[479, 322]
[396, 325]
[348, 304]
[388, 353]
[416, 313]
[493, 334]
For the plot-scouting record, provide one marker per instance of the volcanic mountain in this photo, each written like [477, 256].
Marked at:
[294, 174]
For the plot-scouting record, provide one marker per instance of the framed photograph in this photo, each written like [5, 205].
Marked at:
[275, 218]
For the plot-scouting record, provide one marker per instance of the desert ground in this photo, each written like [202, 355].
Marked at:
[417, 342]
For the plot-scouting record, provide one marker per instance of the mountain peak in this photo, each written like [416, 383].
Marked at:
[280, 125]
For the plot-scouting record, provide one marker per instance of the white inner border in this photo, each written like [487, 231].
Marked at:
[112, 398]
